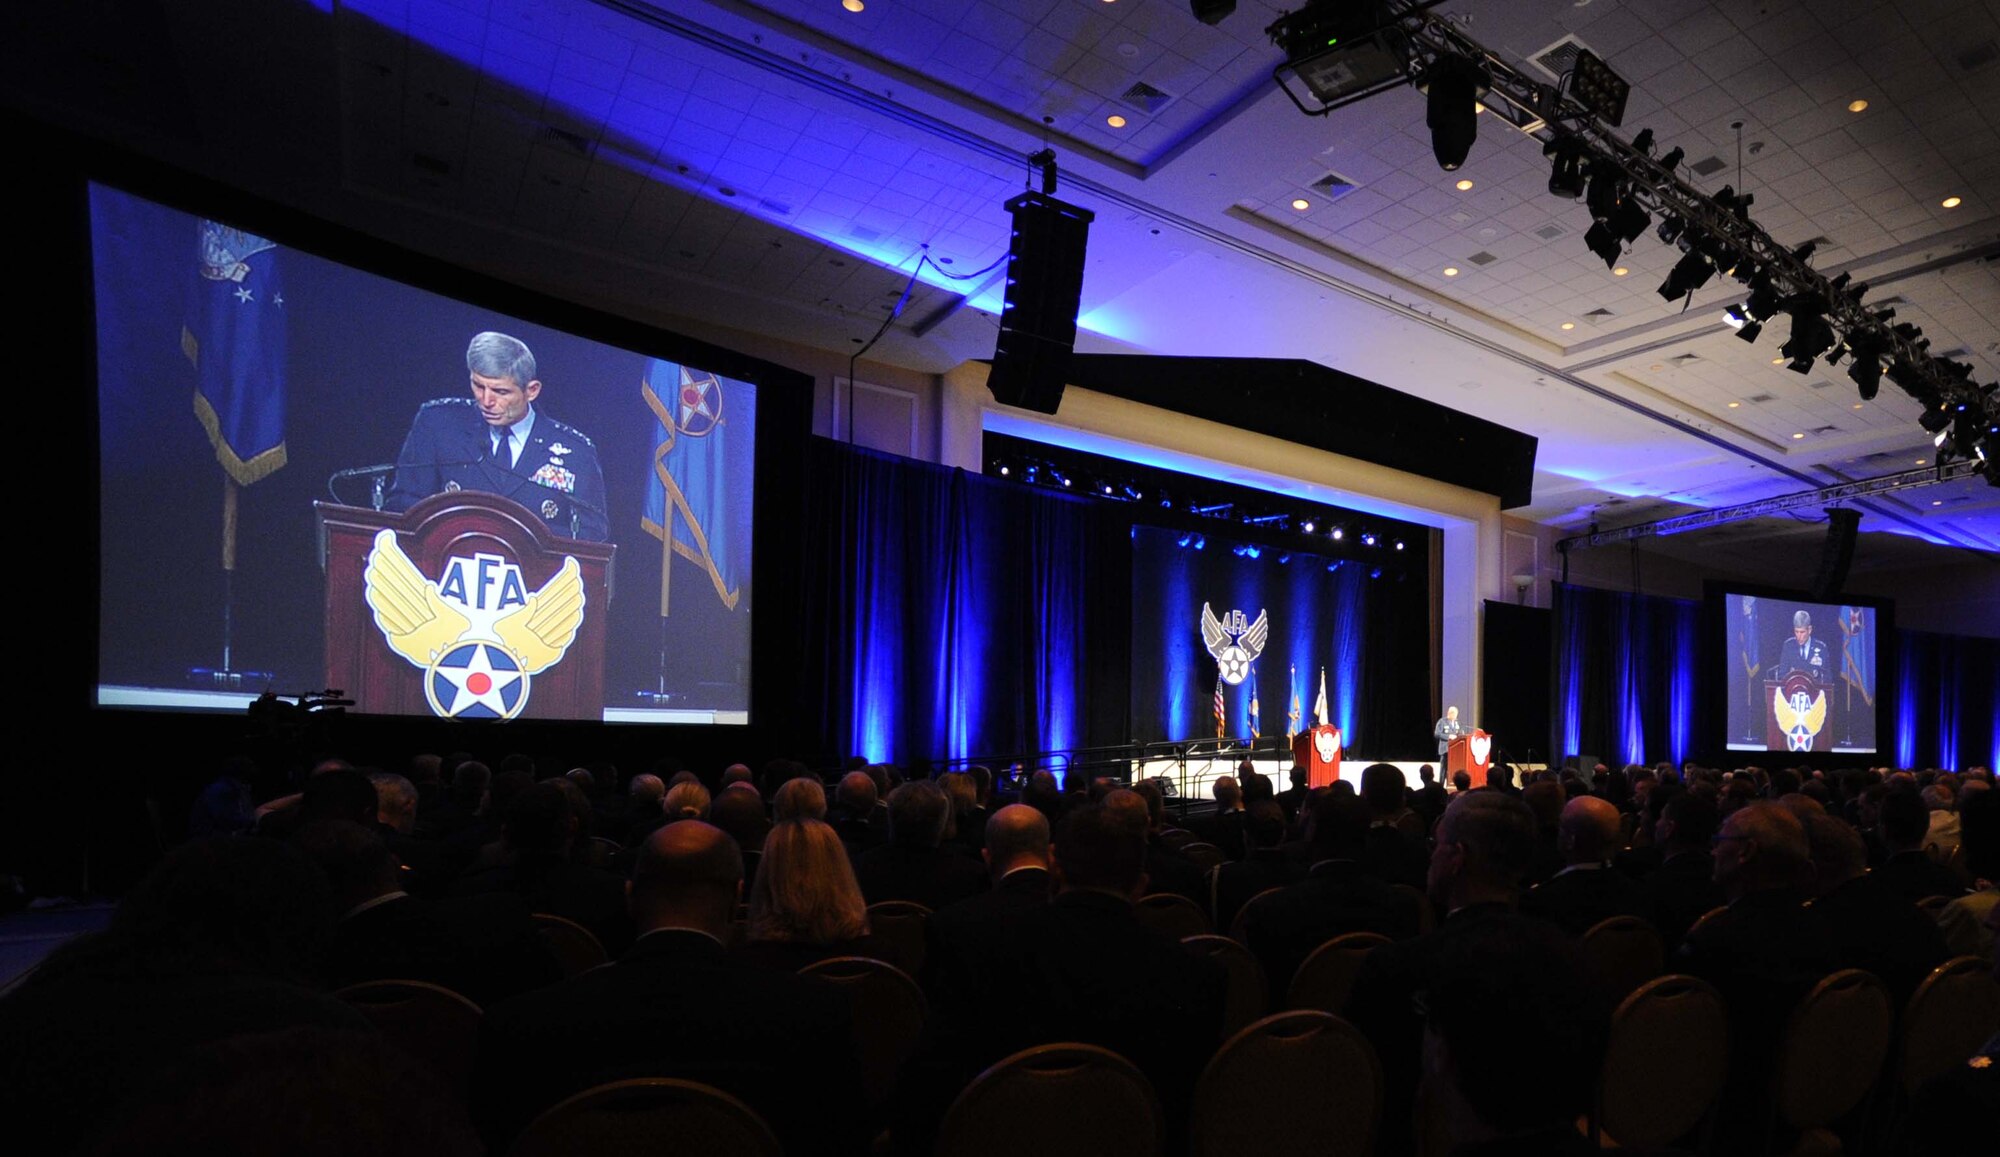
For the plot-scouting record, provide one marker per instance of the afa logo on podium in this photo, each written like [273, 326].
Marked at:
[478, 634]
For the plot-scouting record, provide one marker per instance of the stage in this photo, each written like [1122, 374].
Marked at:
[1193, 775]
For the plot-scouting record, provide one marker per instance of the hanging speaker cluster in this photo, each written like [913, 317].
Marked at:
[1044, 287]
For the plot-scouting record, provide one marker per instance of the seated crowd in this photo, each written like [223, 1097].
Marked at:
[207, 1016]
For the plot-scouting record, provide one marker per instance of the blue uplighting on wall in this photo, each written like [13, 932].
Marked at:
[1906, 706]
[1680, 686]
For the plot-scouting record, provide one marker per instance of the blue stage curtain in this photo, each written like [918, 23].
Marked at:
[1948, 701]
[954, 616]
[1624, 678]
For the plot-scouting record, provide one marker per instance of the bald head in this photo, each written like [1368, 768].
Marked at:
[1588, 830]
[687, 875]
[1761, 846]
[1017, 836]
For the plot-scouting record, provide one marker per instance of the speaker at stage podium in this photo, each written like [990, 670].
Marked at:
[1318, 750]
[1472, 754]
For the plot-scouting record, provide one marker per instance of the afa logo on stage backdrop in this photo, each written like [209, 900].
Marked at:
[1234, 640]
[477, 632]
[1800, 719]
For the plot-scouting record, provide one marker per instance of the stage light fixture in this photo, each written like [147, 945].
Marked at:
[1376, 573]
[1184, 540]
[1200, 541]
[1934, 420]
[1643, 142]
[1594, 86]
[1308, 526]
[1811, 337]
[1399, 544]
[1629, 219]
[1690, 274]
[1673, 159]
[1566, 171]
[1338, 51]
[1452, 87]
[1338, 533]
[1005, 470]
[1604, 243]
[1602, 193]
[1368, 538]
[1670, 230]
[1212, 11]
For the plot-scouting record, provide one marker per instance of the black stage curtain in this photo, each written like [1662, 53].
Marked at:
[949, 616]
[1948, 708]
[1514, 678]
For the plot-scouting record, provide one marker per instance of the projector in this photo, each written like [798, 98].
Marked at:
[1340, 50]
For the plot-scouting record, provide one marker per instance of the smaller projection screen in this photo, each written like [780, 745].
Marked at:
[1801, 676]
[538, 525]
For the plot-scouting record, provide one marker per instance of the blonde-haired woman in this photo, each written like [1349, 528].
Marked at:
[805, 905]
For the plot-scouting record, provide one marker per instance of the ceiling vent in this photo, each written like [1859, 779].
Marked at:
[1144, 98]
[1819, 385]
[1551, 231]
[1560, 57]
[1708, 166]
[575, 142]
[1682, 361]
[864, 233]
[1482, 258]
[1333, 186]
[1760, 399]
[778, 207]
[1598, 316]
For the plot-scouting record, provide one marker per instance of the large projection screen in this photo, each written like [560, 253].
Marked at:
[240, 381]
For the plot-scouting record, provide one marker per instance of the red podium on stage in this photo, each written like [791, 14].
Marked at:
[1471, 754]
[1318, 751]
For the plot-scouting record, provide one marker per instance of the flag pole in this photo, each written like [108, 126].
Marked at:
[666, 580]
[230, 490]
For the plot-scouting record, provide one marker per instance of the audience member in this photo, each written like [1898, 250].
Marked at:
[1904, 823]
[1336, 896]
[1873, 928]
[967, 830]
[534, 862]
[967, 937]
[799, 799]
[853, 804]
[1683, 887]
[913, 864]
[1588, 890]
[1263, 866]
[804, 903]
[676, 1005]
[224, 808]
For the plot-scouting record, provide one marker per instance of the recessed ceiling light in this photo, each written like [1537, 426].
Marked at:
[1952, 202]
[1620, 271]
[1796, 437]
[1937, 502]
[1465, 184]
[1301, 204]
[1734, 405]
[853, 5]
[1922, 461]
[1857, 405]
[1857, 106]
[1115, 121]
[1777, 361]
[1569, 325]
[1478, 107]
[1451, 271]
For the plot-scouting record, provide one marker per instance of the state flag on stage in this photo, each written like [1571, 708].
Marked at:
[1746, 642]
[686, 488]
[1857, 653]
[235, 336]
[1292, 720]
[1253, 704]
[1321, 715]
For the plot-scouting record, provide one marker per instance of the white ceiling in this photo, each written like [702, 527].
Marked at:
[779, 165]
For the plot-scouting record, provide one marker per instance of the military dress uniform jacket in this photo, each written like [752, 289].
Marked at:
[556, 475]
[1811, 658]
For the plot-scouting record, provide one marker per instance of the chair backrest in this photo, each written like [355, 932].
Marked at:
[897, 927]
[1833, 1049]
[639, 1118]
[1933, 905]
[576, 948]
[1055, 1100]
[1951, 1014]
[889, 1016]
[432, 1023]
[1249, 996]
[1327, 976]
[1177, 838]
[1705, 917]
[1426, 915]
[1172, 913]
[1623, 953]
[1238, 927]
[1299, 1082]
[599, 852]
[1664, 1062]
[1201, 855]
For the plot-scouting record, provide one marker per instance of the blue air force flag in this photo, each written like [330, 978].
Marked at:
[1857, 653]
[235, 337]
[686, 504]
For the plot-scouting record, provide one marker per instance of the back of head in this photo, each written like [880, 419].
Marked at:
[1129, 807]
[469, 782]
[686, 800]
[358, 866]
[1461, 781]
[343, 794]
[1781, 857]
[1339, 826]
[982, 781]
[647, 791]
[1497, 832]
[424, 769]
[800, 799]
[1905, 819]
[519, 761]
[1545, 799]
[1227, 794]
[507, 787]
[540, 822]
[1519, 1042]
[1042, 794]
[1256, 785]
[1382, 787]
[1588, 830]
[918, 814]
[856, 793]
[1837, 850]
[1264, 824]
[395, 799]
[805, 890]
[1156, 801]
[1693, 818]
[739, 812]
[961, 791]
[686, 872]
[737, 773]
[1098, 850]
[1017, 836]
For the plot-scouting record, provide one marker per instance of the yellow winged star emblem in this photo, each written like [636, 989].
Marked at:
[478, 634]
[1799, 720]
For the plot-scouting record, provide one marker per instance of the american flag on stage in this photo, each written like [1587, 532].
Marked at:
[1221, 708]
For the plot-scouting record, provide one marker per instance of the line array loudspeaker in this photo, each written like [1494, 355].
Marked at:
[1044, 287]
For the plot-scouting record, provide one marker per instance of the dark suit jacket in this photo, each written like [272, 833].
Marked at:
[588, 896]
[967, 938]
[1576, 901]
[1915, 876]
[1234, 885]
[1336, 897]
[932, 877]
[483, 947]
[556, 475]
[1876, 929]
[1394, 858]
[677, 1005]
[1683, 891]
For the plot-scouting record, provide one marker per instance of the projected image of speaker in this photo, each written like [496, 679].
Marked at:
[1044, 286]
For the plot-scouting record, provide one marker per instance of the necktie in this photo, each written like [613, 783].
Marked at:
[503, 448]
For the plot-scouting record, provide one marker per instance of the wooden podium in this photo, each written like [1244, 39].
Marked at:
[1318, 750]
[1792, 687]
[1472, 754]
[460, 525]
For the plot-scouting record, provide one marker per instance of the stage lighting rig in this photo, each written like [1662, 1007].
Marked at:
[1597, 88]
[1811, 337]
[1452, 88]
[1690, 274]
[1566, 168]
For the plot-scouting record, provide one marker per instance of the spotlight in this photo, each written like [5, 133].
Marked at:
[1005, 470]
[1368, 538]
[1673, 159]
[1670, 230]
[1212, 11]
[1184, 540]
[1338, 52]
[1934, 420]
[1308, 527]
[1866, 372]
[1597, 88]
[1690, 274]
[1453, 85]
[1604, 243]
[1750, 331]
[1601, 196]
[1399, 544]
[1376, 573]
[1629, 219]
[1811, 337]
[1254, 551]
[1339, 532]
[1644, 142]
[1284, 558]
[1763, 300]
[1200, 541]
[1738, 205]
[1566, 177]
